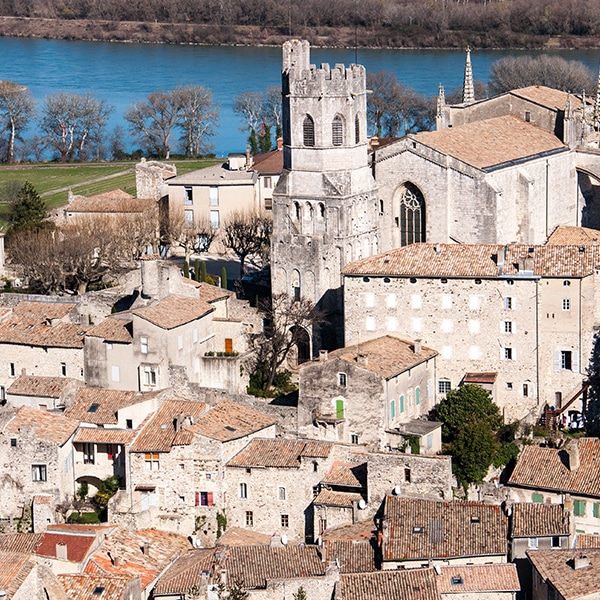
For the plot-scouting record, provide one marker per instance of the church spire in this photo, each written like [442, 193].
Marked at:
[441, 101]
[597, 105]
[468, 88]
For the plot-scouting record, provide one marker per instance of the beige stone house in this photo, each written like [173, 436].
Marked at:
[369, 393]
[566, 475]
[526, 313]
[82, 586]
[269, 167]
[113, 205]
[417, 584]
[478, 582]
[45, 393]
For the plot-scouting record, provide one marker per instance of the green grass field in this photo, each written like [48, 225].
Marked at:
[53, 180]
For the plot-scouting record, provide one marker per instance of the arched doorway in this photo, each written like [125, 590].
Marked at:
[302, 341]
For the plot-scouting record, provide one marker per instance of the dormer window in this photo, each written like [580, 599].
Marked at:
[475, 519]
[417, 530]
[456, 580]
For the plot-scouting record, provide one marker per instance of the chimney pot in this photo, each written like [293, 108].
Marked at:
[418, 347]
[323, 355]
[61, 551]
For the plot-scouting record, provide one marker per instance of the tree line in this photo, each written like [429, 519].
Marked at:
[435, 23]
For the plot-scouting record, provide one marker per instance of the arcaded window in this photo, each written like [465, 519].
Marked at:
[308, 131]
[337, 131]
[412, 215]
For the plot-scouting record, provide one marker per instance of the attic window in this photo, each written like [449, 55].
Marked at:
[475, 519]
[230, 428]
[93, 408]
[97, 591]
[456, 580]
[29, 327]
[417, 530]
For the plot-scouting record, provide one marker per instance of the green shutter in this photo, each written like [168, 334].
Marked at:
[538, 498]
[596, 510]
[392, 409]
[401, 404]
[339, 409]
[579, 508]
[417, 396]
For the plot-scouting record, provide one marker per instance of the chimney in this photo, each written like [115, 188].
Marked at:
[572, 450]
[61, 551]
[179, 422]
[276, 541]
[323, 355]
[362, 360]
[581, 562]
[249, 160]
[418, 347]
[146, 548]
[118, 561]
[279, 143]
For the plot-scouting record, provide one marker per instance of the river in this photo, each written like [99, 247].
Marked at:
[124, 73]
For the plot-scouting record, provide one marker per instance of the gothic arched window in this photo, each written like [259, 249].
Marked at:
[356, 130]
[337, 131]
[412, 215]
[308, 131]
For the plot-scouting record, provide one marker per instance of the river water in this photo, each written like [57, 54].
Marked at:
[124, 73]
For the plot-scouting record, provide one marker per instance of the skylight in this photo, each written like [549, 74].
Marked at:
[93, 408]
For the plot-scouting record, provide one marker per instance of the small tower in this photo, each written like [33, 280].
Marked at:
[468, 87]
[325, 211]
[441, 119]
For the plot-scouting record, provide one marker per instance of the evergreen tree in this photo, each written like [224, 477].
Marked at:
[224, 278]
[197, 275]
[29, 210]
[203, 273]
[264, 139]
[253, 142]
[300, 594]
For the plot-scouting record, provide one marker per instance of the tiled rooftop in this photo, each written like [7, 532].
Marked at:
[42, 387]
[83, 586]
[478, 578]
[514, 139]
[557, 566]
[413, 584]
[212, 293]
[79, 545]
[216, 175]
[279, 453]
[100, 405]
[230, 421]
[174, 311]
[186, 571]
[415, 528]
[488, 377]
[115, 201]
[333, 498]
[546, 469]
[548, 97]
[588, 540]
[536, 520]
[237, 536]
[112, 329]
[478, 260]
[269, 163]
[347, 475]
[20, 543]
[255, 565]
[352, 556]
[49, 427]
[159, 435]
[14, 572]
[386, 356]
[104, 436]
[576, 236]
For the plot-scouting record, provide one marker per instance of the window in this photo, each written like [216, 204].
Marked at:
[474, 326]
[39, 473]
[189, 218]
[296, 294]
[214, 195]
[128, 423]
[555, 541]
[526, 390]
[63, 369]
[215, 221]
[337, 131]
[537, 498]
[339, 408]
[508, 353]
[249, 518]
[144, 345]
[446, 301]
[342, 379]
[401, 404]
[88, 454]
[508, 327]
[417, 396]
[412, 215]
[149, 376]
[509, 385]
[444, 386]
[528, 116]
[205, 499]
[187, 195]
[152, 461]
[565, 360]
[392, 409]
[281, 493]
[308, 131]
[579, 508]
[285, 521]
[596, 509]
[566, 304]
[370, 324]
[533, 543]
[407, 475]
[354, 438]
[357, 131]
[508, 303]
[229, 345]
[13, 442]
[11, 369]
[180, 342]
[243, 490]
[267, 183]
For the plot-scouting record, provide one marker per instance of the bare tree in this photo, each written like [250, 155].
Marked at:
[511, 73]
[272, 108]
[17, 109]
[138, 231]
[152, 122]
[71, 122]
[197, 118]
[191, 237]
[249, 106]
[247, 234]
[290, 320]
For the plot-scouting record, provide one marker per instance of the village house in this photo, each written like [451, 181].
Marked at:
[269, 167]
[478, 582]
[417, 532]
[526, 313]
[40, 338]
[369, 393]
[416, 584]
[352, 547]
[45, 393]
[82, 586]
[177, 465]
[36, 451]
[566, 475]
[116, 205]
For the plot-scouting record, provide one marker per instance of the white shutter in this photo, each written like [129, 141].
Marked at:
[575, 361]
[557, 361]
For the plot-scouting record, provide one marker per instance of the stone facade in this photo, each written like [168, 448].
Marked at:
[150, 178]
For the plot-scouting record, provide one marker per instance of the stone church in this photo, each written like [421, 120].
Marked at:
[508, 169]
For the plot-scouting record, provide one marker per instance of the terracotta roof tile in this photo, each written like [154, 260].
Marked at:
[49, 427]
[557, 566]
[104, 436]
[100, 405]
[352, 556]
[158, 434]
[335, 498]
[565, 235]
[112, 329]
[413, 584]
[212, 293]
[489, 377]
[588, 540]
[14, 571]
[514, 139]
[219, 175]
[186, 571]
[256, 565]
[42, 387]
[237, 536]
[115, 201]
[42, 499]
[279, 453]
[385, 356]
[548, 97]
[20, 543]
[546, 469]
[536, 520]
[174, 311]
[79, 546]
[269, 163]
[357, 531]
[347, 475]
[478, 578]
[423, 529]
[82, 586]
[478, 260]
[230, 421]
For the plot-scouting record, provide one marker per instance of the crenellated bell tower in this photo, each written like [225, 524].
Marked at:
[325, 208]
